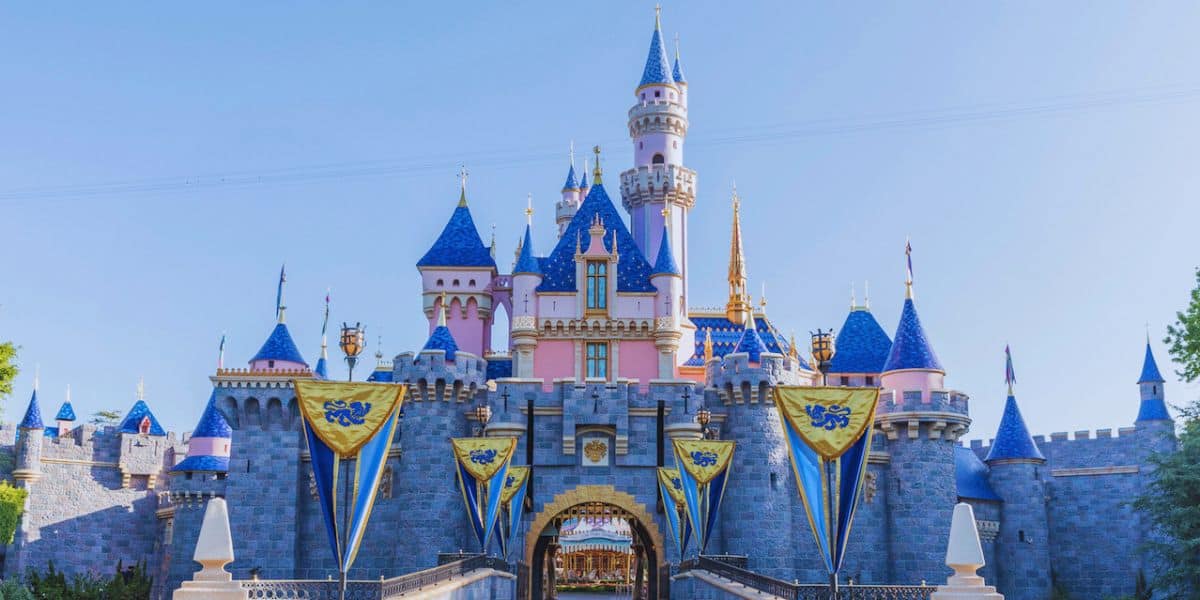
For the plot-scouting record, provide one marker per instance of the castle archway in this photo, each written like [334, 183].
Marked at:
[595, 502]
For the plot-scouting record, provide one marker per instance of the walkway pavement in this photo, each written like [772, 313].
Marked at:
[591, 596]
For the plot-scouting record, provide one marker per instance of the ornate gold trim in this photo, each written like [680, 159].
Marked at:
[594, 493]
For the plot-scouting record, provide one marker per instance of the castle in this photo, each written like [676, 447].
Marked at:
[604, 353]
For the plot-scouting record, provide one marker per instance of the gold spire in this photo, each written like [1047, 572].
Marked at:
[442, 313]
[529, 209]
[658, 16]
[738, 306]
[708, 348]
[793, 353]
[596, 170]
[462, 193]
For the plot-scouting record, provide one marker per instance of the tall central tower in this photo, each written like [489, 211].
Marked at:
[659, 188]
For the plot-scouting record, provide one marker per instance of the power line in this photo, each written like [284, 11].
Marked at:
[772, 133]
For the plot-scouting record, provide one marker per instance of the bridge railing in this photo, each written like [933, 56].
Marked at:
[383, 589]
[803, 591]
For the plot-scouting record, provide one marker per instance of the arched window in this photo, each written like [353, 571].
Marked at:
[471, 283]
[270, 364]
[597, 285]
[658, 159]
[455, 283]
[144, 426]
[441, 282]
[657, 93]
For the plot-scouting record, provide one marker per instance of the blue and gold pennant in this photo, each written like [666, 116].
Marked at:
[703, 473]
[346, 415]
[482, 467]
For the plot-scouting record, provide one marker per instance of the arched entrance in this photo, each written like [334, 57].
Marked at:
[598, 504]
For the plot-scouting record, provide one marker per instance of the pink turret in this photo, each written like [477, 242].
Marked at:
[912, 365]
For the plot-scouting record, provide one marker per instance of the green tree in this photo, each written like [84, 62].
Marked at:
[8, 368]
[106, 417]
[1172, 499]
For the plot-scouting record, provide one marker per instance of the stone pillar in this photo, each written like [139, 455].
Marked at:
[551, 571]
[638, 577]
[214, 550]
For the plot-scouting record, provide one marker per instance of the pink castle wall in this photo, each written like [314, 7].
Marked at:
[638, 360]
[907, 381]
[206, 446]
[262, 365]
[554, 359]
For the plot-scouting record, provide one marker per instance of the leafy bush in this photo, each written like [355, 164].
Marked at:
[12, 504]
[126, 584]
[11, 590]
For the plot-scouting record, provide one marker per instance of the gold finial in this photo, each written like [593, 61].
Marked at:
[141, 388]
[596, 170]
[614, 244]
[493, 247]
[738, 306]
[708, 345]
[657, 16]
[462, 193]
[586, 166]
[762, 300]
[792, 351]
[529, 209]
[442, 314]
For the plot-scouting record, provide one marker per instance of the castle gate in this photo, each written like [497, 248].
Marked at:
[598, 504]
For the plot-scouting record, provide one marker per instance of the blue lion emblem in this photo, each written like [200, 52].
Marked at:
[704, 459]
[483, 457]
[835, 417]
[509, 481]
[675, 482]
[345, 415]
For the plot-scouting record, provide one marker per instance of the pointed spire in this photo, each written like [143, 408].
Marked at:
[867, 295]
[441, 338]
[492, 248]
[853, 300]
[1013, 442]
[751, 343]
[665, 264]
[279, 306]
[658, 67]
[708, 344]
[221, 352]
[462, 193]
[793, 351]
[583, 182]
[571, 183]
[443, 312]
[322, 368]
[527, 263]
[677, 70]
[33, 413]
[910, 346]
[596, 171]
[141, 387]
[908, 280]
[1010, 376]
[738, 304]
[1150, 372]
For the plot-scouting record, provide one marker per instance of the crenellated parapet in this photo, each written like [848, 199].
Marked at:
[658, 116]
[905, 414]
[738, 380]
[658, 183]
[431, 377]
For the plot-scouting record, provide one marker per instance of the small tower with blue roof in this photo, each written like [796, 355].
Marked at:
[30, 434]
[209, 447]
[862, 347]
[527, 276]
[669, 312]
[459, 269]
[572, 195]
[143, 442]
[279, 351]
[1016, 465]
[922, 422]
[64, 420]
[1150, 384]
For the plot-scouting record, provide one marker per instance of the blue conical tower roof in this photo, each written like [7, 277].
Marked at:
[1013, 441]
[665, 263]
[66, 412]
[441, 338]
[862, 345]
[1150, 372]
[322, 368]
[459, 244]
[133, 419]
[910, 346]
[633, 270]
[571, 183]
[527, 263]
[658, 67]
[280, 346]
[677, 69]
[212, 423]
[751, 343]
[583, 183]
[33, 414]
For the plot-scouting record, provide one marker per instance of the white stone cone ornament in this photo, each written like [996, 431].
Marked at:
[214, 550]
[964, 554]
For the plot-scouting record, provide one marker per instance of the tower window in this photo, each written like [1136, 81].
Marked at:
[597, 360]
[597, 285]
[870, 380]
[657, 93]
[455, 283]
[845, 381]
[1154, 389]
[658, 159]
[441, 282]
[471, 283]
[270, 364]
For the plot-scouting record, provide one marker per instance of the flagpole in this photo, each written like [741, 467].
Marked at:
[352, 345]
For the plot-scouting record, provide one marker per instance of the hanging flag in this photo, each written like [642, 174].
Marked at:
[674, 506]
[1010, 376]
[829, 440]
[348, 421]
[512, 499]
[482, 471]
[703, 472]
[325, 323]
[221, 353]
[279, 290]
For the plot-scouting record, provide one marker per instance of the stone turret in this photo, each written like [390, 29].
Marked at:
[527, 276]
[572, 195]
[669, 311]
[1023, 544]
[922, 422]
[31, 432]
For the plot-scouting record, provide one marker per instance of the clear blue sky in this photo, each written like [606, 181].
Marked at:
[1042, 156]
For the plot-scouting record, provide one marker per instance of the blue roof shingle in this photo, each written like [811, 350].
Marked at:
[726, 335]
[459, 245]
[203, 464]
[33, 414]
[658, 67]
[280, 346]
[751, 343]
[441, 339]
[66, 412]
[633, 271]
[322, 369]
[212, 422]
[133, 419]
[971, 476]
[382, 375]
[527, 263]
[665, 263]
[862, 346]
[1013, 441]
[571, 183]
[1150, 372]
[677, 71]
[910, 346]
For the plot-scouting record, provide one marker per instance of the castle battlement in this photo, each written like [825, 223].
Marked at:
[910, 401]
[656, 183]
[738, 380]
[431, 377]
